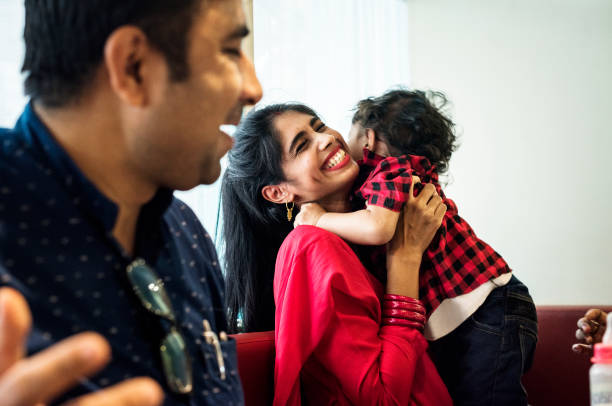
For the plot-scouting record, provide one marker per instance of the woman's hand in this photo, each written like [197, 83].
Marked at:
[416, 227]
[591, 329]
[309, 214]
[419, 222]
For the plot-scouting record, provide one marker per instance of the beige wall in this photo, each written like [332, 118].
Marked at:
[532, 93]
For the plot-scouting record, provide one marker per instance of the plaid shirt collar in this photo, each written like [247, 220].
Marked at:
[420, 164]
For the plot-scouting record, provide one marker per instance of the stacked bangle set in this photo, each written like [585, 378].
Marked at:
[405, 311]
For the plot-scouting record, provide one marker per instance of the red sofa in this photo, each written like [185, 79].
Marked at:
[557, 377]
[256, 366]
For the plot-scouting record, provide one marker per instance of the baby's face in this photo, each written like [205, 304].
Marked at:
[356, 141]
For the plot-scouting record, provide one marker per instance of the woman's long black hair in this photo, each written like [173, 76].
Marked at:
[253, 228]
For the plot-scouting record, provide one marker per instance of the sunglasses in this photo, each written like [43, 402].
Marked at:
[175, 360]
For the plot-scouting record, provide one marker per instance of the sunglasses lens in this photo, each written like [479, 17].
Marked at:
[150, 290]
[177, 366]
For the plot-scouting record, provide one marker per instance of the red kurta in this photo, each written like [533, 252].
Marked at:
[330, 346]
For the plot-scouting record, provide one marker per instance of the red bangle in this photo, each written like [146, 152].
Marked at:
[404, 314]
[390, 321]
[401, 298]
[394, 304]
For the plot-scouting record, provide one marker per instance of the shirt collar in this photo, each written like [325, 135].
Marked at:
[96, 206]
[420, 164]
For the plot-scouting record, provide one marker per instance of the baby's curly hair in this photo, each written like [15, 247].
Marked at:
[410, 123]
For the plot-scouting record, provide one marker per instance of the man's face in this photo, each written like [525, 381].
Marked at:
[179, 143]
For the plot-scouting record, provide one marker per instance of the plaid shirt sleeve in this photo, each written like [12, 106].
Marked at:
[389, 182]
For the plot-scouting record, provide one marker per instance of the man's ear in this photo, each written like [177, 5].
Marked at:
[277, 193]
[131, 64]
[375, 144]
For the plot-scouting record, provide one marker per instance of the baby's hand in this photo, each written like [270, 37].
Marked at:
[309, 214]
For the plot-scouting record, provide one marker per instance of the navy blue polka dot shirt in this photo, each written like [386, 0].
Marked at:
[56, 247]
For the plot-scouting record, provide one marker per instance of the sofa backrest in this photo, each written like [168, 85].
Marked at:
[557, 377]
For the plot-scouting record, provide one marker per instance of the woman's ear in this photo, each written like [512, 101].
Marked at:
[375, 144]
[277, 193]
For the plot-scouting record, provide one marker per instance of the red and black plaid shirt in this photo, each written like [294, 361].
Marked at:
[457, 261]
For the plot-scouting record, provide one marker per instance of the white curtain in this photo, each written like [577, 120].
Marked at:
[330, 53]
[12, 99]
[326, 53]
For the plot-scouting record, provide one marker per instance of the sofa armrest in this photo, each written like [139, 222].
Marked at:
[256, 366]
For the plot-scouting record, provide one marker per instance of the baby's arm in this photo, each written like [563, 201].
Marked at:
[371, 226]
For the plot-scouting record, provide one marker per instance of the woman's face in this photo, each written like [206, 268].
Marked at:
[315, 161]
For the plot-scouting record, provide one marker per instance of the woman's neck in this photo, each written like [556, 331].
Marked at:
[337, 203]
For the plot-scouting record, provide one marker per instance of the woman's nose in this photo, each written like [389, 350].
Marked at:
[325, 140]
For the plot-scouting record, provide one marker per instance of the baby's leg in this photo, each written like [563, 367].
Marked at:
[482, 361]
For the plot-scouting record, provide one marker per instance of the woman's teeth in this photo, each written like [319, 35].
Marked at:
[336, 159]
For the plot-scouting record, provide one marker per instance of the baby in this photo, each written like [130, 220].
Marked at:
[482, 321]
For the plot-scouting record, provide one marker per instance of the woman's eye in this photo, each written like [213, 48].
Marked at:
[300, 147]
[321, 127]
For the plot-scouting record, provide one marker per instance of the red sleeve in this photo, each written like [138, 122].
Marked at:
[327, 308]
[389, 182]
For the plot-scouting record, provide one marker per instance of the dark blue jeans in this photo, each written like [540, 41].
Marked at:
[483, 359]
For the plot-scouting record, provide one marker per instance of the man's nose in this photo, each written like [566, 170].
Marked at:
[251, 88]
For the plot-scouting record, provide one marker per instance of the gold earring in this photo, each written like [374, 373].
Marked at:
[289, 210]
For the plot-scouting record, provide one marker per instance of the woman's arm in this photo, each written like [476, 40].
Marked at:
[416, 228]
[378, 364]
[373, 225]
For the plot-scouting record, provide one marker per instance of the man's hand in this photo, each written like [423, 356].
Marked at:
[309, 214]
[42, 377]
[591, 329]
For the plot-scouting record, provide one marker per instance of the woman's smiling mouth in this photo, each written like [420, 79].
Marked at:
[336, 160]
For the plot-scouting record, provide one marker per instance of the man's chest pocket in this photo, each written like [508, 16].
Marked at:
[221, 379]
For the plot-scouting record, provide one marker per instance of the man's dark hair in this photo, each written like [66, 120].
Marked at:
[410, 122]
[65, 40]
